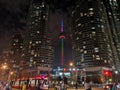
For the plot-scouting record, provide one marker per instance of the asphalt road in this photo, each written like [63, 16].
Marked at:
[72, 89]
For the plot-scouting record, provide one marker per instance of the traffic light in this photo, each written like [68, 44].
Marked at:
[64, 69]
[107, 73]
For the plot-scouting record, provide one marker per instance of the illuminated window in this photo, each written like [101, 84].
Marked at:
[77, 38]
[92, 27]
[14, 44]
[16, 40]
[44, 16]
[21, 46]
[79, 24]
[38, 31]
[91, 21]
[36, 20]
[97, 57]
[102, 26]
[109, 13]
[77, 5]
[105, 61]
[85, 14]
[37, 7]
[79, 33]
[30, 42]
[36, 42]
[33, 22]
[81, 14]
[43, 60]
[91, 13]
[96, 49]
[84, 42]
[93, 33]
[35, 55]
[109, 61]
[85, 52]
[32, 52]
[39, 41]
[84, 47]
[99, 25]
[90, 9]
[81, 50]
[42, 5]
[37, 13]
[33, 44]
[31, 58]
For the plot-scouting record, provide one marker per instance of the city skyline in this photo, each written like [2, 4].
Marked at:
[13, 20]
[38, 35]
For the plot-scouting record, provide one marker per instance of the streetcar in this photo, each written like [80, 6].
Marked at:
[31, 82]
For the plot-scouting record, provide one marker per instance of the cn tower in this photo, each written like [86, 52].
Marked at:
[62, 37]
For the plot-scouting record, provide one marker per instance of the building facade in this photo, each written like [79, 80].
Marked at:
[39, 52]
[113, 16]
[92, 45]
[15, 54]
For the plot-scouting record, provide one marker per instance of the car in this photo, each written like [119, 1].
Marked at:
[107, 86]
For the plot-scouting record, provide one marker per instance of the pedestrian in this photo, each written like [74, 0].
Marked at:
[24, 86]
[88, 86]
[8, 86]
[76, 86]
[118, 86]
[113, 86]
[62, 86]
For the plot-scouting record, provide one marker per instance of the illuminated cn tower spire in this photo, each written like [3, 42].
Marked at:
[62, 37]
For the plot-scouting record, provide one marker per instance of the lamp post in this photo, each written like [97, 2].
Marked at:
[4, 68]
[7, 70]
[72, 65]
[10, 74]
[116, 74]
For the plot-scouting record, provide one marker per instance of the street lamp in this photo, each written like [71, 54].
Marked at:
[10, 74]
[72, 65]
[116, 74]
[4, 66]
[7, 70]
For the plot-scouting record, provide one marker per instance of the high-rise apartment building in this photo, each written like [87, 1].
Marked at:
[38, 48]
[16, 53]
[89, 35]
[113, 16]
[92, 37]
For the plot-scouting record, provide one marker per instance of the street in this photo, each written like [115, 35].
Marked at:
[72, 89]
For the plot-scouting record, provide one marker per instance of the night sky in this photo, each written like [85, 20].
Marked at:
[13, 14]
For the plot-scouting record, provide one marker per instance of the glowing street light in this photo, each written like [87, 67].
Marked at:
[10, 74]
[71, 64]
[4, 66]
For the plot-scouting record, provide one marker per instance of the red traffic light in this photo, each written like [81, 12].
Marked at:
[107, 73]
[64, 69]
